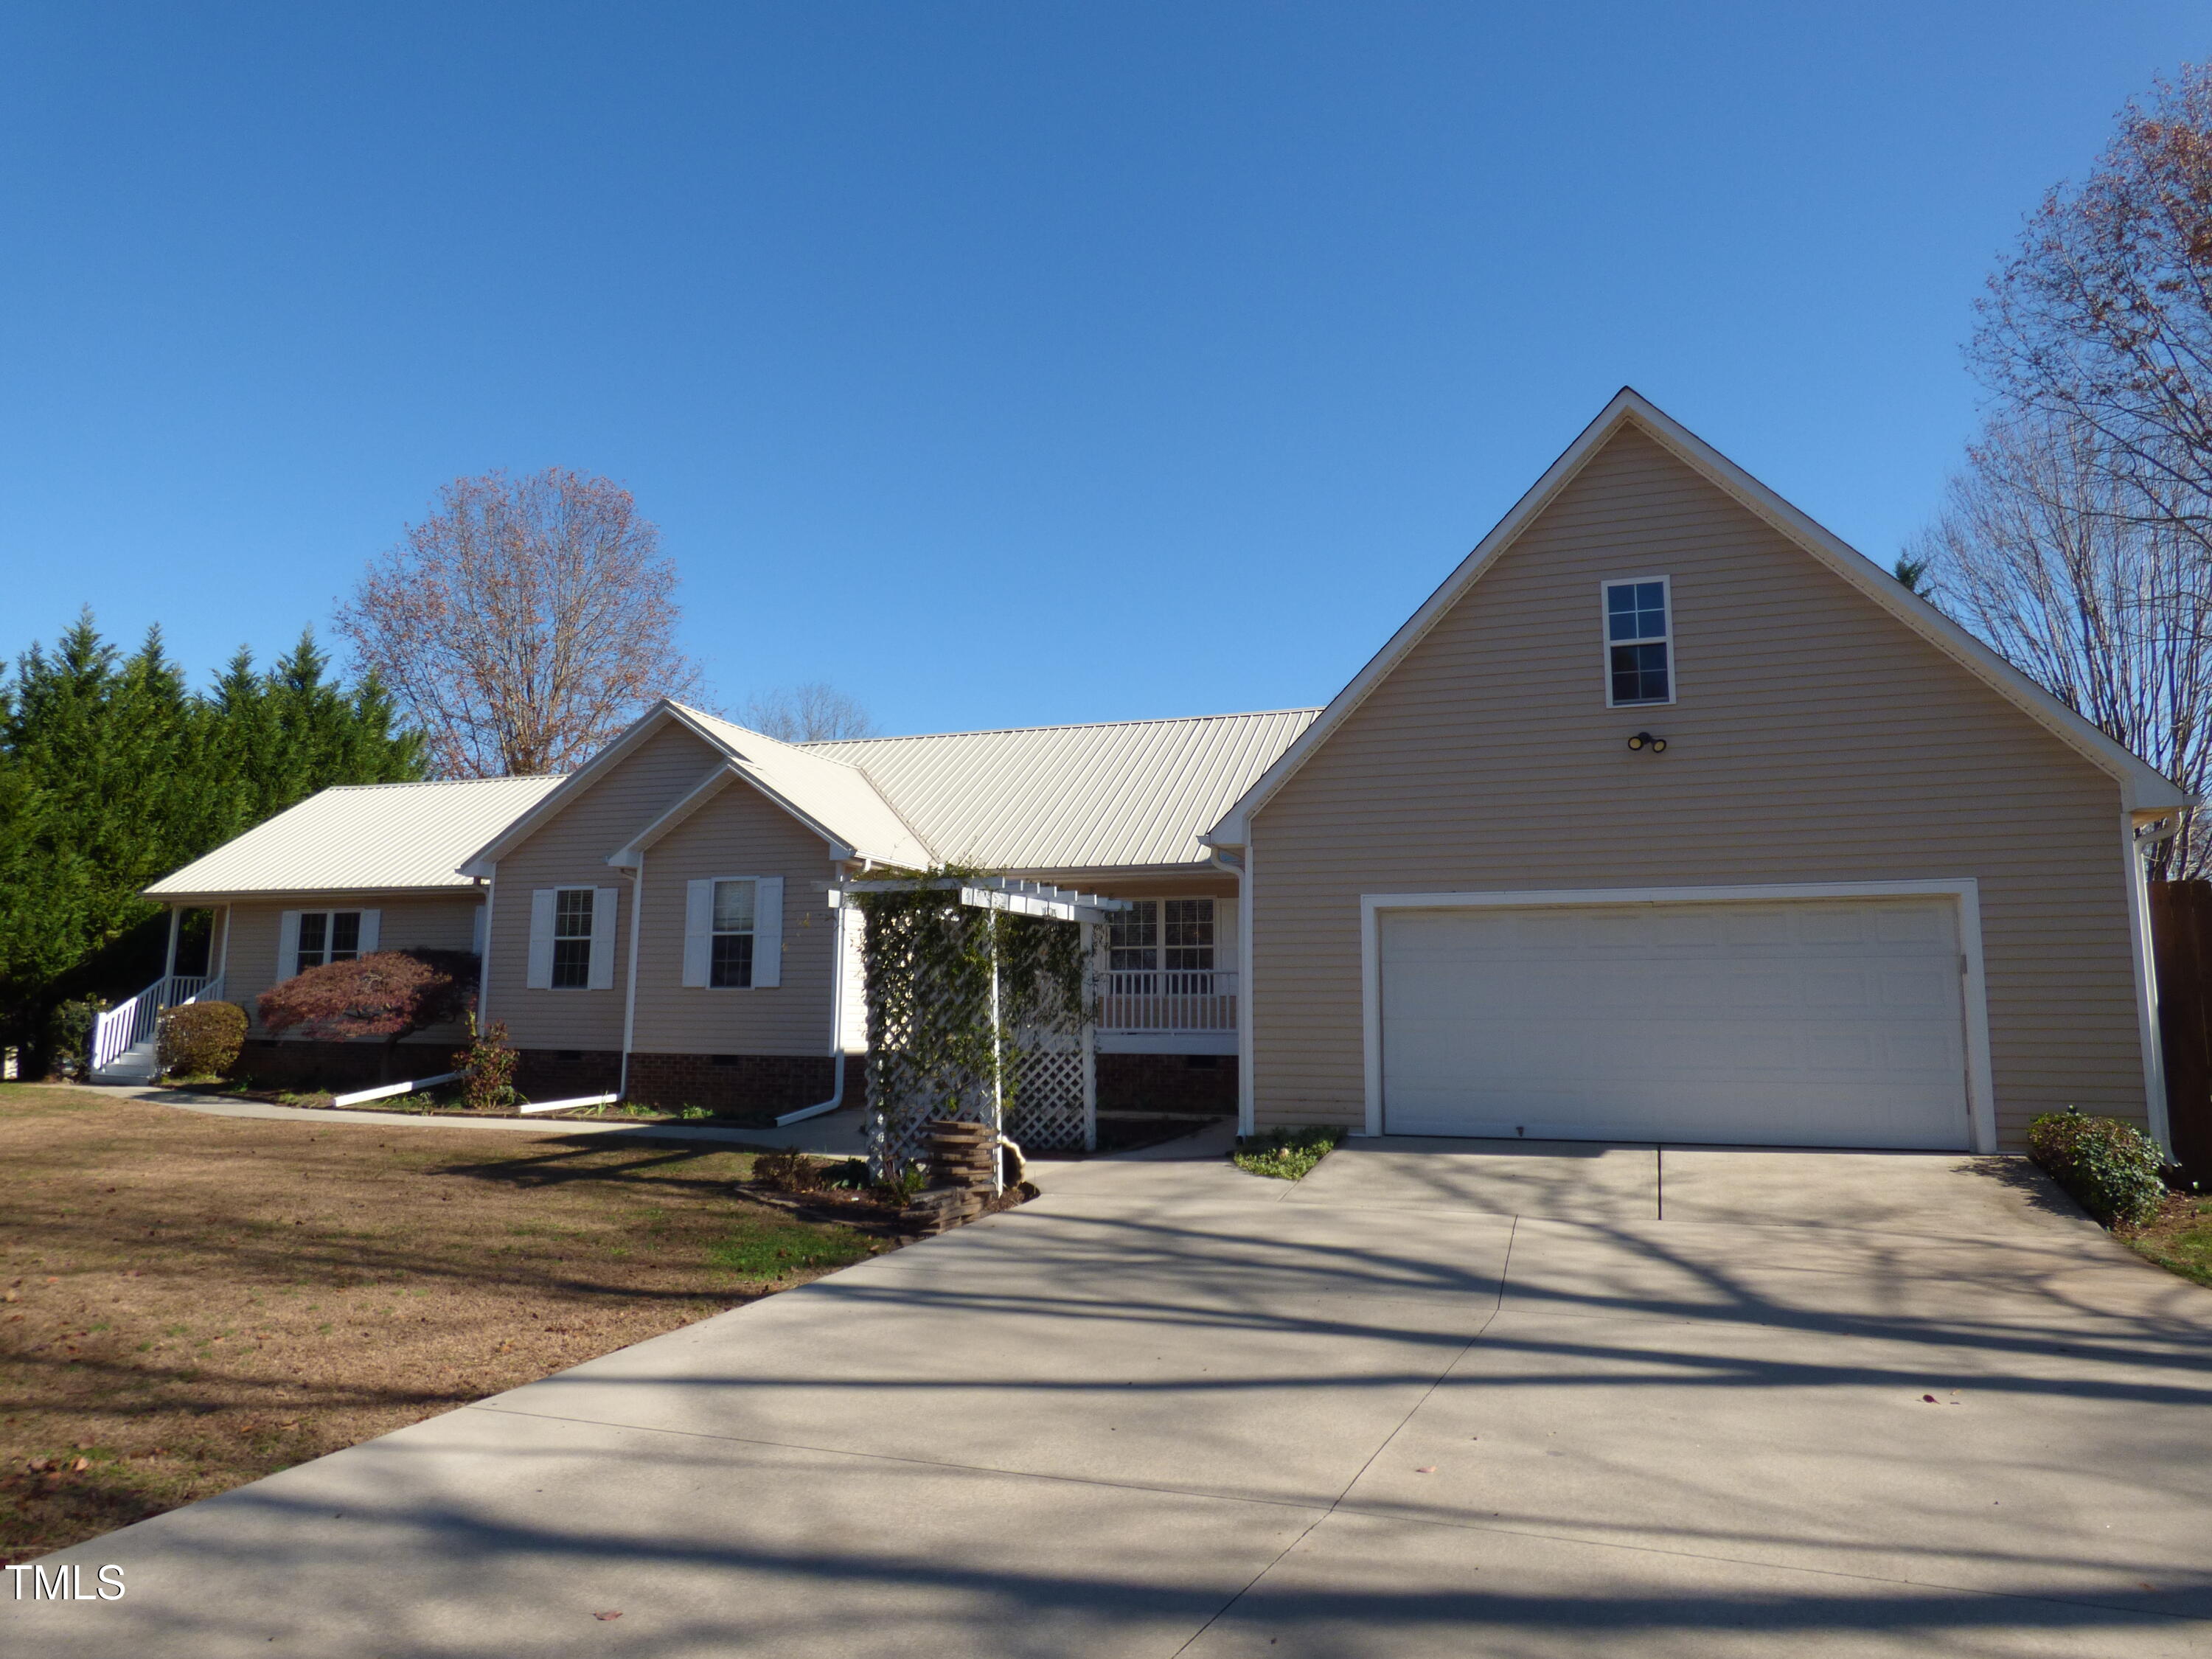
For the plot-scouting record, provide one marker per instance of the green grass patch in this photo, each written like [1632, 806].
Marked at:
[1285, 1154]
[768, 1250]
[2179, 1239]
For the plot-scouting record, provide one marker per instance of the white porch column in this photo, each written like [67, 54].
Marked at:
[169, 965]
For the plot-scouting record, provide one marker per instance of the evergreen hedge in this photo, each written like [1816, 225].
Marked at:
[2111, 1168]
[114, 773]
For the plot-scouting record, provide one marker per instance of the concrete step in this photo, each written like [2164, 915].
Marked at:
[135, 1064]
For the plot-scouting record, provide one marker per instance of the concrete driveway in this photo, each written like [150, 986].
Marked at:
[1442, 1398]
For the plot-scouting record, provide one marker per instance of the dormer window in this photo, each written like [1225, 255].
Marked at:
[1639, 642]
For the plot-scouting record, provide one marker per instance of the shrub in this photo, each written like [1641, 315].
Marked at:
[787, 1172]
[68, 1035]
[201, 1039]
[386, 993]
[2111, 1168]
[1285, 1154]
[487, 1068]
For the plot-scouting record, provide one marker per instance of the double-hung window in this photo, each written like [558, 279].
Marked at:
[572, 939]
[733, 932]
[730, 963]
[326, 936]
[1133, 937]
[1639, 644]
[1156, 936]
[1187, 944]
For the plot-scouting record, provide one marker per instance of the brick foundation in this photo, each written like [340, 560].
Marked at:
[744, 1083]
[338, 1067]
[566, 1074]
[1199, 1084]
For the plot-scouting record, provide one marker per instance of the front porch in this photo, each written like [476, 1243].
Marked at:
[1168, 1012]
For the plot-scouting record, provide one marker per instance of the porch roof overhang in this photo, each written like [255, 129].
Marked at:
[1022, 898]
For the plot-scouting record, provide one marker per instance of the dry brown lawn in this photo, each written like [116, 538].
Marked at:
[194, 1301]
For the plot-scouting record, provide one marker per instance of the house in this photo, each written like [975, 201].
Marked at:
[659, 922]
[1669, 816]
[352, 869]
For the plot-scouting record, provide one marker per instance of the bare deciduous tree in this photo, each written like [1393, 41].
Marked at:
[814, 713]
[2036, 551]
[523, 624]
[2104, 316]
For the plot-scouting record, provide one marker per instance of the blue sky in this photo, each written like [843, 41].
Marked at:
[1195, 341]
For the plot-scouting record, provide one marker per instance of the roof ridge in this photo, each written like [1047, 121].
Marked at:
[1062, 725]
[426, 783]
[734, 759]
[801, 748]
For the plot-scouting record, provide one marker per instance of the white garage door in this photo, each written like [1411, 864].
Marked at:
[1817, 1022]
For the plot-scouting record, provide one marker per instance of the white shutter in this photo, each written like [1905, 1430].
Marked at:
[602, 938]
[540, 975]
[288, 946]
[372, 928]
[1225, 935]
[698, 931]
[767, 931]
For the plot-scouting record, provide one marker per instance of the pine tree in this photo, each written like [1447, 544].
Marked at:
[112, 773]
[279, 736]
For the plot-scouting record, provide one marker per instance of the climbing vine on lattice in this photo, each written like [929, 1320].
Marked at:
[933, 1049]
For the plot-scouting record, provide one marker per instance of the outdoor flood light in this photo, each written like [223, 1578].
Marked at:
[1645, 740]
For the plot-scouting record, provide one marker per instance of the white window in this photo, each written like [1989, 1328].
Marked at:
[729, 961]
[733, 932]
[1168, 941]
[572, 939]
[312, 939]
[1639, 650]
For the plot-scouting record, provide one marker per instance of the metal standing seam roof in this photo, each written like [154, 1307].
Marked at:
[828, 788]
[1122, 793]
[379, 837]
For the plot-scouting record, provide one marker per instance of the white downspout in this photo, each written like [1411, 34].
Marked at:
[836, 1022]
[483, 961]
[629, 1000]
[2137, 852]
[1239, 865]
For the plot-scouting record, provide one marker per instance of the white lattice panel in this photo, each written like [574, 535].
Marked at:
[1052, 1106]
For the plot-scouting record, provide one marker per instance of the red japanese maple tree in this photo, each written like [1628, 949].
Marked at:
[386, 993]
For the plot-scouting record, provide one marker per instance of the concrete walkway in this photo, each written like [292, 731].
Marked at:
[837, 1133]
[1449, 1398]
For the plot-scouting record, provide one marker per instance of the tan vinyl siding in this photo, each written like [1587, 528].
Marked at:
[1814, 739]
[571, 850]
[740, 832]
[1204, 883]
[409, 923]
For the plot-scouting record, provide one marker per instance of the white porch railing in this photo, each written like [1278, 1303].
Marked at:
[124, 1027]
[1168, 1000]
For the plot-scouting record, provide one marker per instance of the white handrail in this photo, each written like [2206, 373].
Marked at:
[1169, 1000]
[118, 1029]
[124, 1026]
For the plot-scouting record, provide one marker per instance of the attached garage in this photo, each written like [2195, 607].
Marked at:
[1840, 1020]
[1670, 815]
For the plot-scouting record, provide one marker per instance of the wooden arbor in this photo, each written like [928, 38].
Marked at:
[981, 1007]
